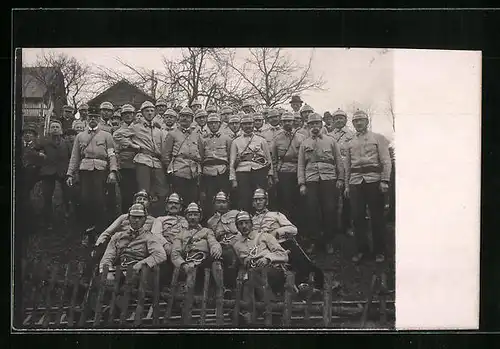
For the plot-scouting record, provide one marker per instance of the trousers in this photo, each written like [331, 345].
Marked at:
[128, 187]
[186, 188]
[247, 183]
[302, 265]
[48, 186]
[93, 198]
[289, 202]
[210, 186]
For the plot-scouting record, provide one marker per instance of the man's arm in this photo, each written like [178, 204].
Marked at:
[166, 154]
[176, 255]
[338, 160]
[232, 160]
[277, 253]
[109, 255]
[74, 160]
[157, 227]
[267, 154]
[385, 158]
[286, 227]
[110, 148]
[158, 254]
[213, 244]
[301, 166]
[111, 230]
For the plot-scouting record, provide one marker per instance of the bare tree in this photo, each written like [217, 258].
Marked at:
[77, 75]
[273, 76]
[390, 110]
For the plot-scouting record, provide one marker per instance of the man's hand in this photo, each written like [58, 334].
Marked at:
[340, 183]
[303, 189]
[216, 252]
[270, 181]
[111, 178]
[234, 183]
[262, 262]
[69, 181]
[347, 192]
[384, 187]
[135, 146]
[138, 266]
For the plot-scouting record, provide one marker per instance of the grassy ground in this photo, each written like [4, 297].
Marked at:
[62, 245]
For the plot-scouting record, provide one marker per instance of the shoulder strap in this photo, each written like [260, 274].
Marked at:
[88, 142]
[248, 144]
[287, 149]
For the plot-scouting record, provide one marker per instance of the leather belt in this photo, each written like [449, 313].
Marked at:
[366, 169]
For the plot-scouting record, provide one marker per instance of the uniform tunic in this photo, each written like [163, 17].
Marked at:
[183, 153]
[132, 247]
[274, 223]
[122, 224]
[169, 227]
[285, 151]
[262, 245]
[224, 225]
[245, 147]
[189, 241]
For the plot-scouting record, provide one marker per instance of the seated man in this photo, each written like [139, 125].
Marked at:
[122, 223]
[257, 250]
[170, 225]
[222, 223]
[276, 224]
[195, 246]
[136, 246]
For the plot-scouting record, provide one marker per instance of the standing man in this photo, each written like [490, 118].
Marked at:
[296, 103]
[273, 119]
[195, 105]
[247, 107]
[285, 154]
[84, 112]
[250, 165]
[234, 127]
[225, 113]
[211, 109]
[328, 120]
[54, 167]
[126, 152]
[183, 156]
[107, 110]
[342, 136]
[79, 126]
[320, 175]
[258, 120]
[67, 118]
[169, 120]
[297, 121]
[200, 119]
[368, 175]
[150, 161]
[160, 108]
[216, 148]
[304, 114]
[93, 155]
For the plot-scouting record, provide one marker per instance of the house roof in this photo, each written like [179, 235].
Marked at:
[34, 80]
[113, 95]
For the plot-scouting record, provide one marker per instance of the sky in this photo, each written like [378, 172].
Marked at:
[361, 75]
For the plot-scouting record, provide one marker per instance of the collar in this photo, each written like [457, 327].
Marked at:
[93, 129]
[215, 135]
[198, 227]
[362, 133]
[264, 211]
[275, 128]
[185, 130]
[320, 136]
[135, 233]
[247, 134]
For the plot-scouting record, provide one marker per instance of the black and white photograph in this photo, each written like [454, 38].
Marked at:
[194, 187]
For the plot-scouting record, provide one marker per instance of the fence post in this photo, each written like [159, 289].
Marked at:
[219, 293]
[116, 289]
[74, 294]
[307, 313]
[156, 295]
[289, 286]
[101, 288]
[327, 298]
[86, 302]
[187, 307]
[39, 275]
[206, 282]
[171, 296]
[253, 307]
[239, 284]
[126, 297]
[142, 294]
[48, 305]
[364, 316]
[382, 297]
[60, 310]
[268, 315]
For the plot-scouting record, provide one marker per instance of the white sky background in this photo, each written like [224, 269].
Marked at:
[361, 75]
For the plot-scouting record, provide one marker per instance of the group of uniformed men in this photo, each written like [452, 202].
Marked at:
[299, 163]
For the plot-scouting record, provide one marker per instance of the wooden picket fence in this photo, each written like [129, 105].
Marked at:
[61, 298]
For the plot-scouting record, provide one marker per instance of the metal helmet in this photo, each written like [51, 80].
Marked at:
[174, 197]
[137, 210]
[221, 196]
[359, 114]
[314, 117]
[193, 207]
[106, 105]
[147, 104]
[243, 216]
[259, 193]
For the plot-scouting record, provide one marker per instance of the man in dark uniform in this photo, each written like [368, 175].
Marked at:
[321, 176]
[67, 118]
[93, 155]
[367, 176]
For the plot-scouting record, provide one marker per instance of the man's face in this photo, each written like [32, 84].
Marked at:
[195, 108]
[106, 114]
[201, 120]
[185, 120]
[92, 121]
[244, 227]
[297, 123]
[221, 206]
[193, 218]
[288, 125]
[360, 124]
[259, 204]
[29, 136]
[234, 126]
[161, 109]
[115, 123]
[296, 106]
[84, 113]
[128, 117]
[224, 117]
[214, 126]
[169, 120]
[259, 123]
[247, 127]
[173, 208]
[247, 110]
[142, 200]
[79, 127]
[274, 120]
[136, 222]
[68, 114]
[71, 138]
[328, 120]
[340, 121]
[305, 115]
[148, 113]
[55, 128]
[315, 127]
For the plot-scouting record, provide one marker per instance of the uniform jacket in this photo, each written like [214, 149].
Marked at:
[57, 155]
[130, 248]
[99, 155]
[342, 136]
[224, 225]
[122, 224]
[285, 151]
[266, 246]
[189, 240]
[30, 155]
[274, 223]
[368, 149]
[215, 151]
[168, 227]
[256, 146]
[319, 158]
[125, 153]
[183, 153]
